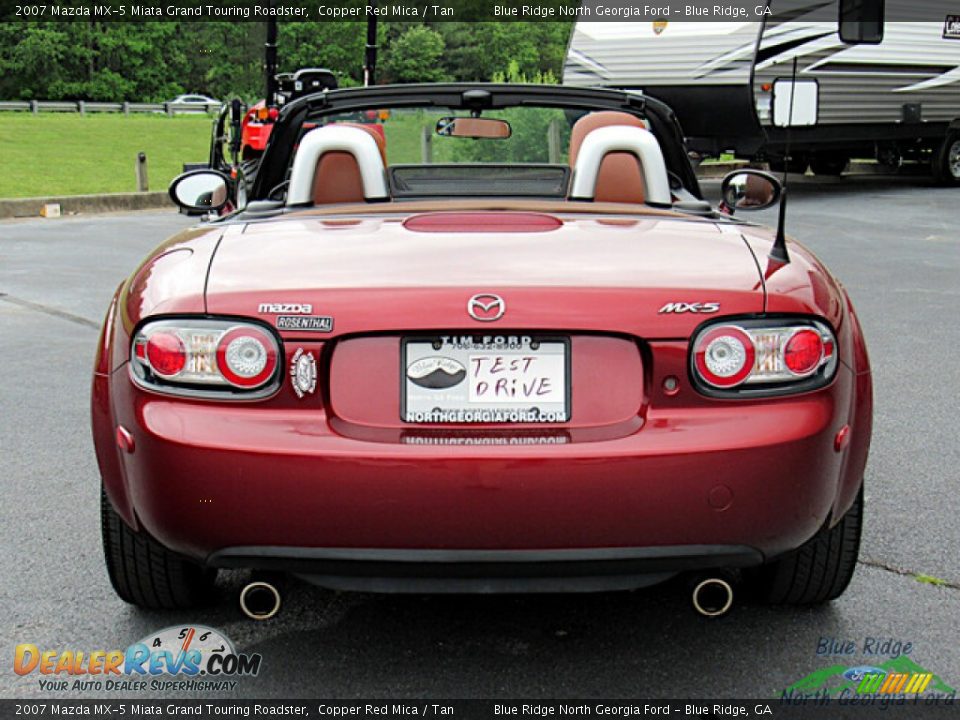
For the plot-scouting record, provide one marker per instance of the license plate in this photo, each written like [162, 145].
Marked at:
[485, 379]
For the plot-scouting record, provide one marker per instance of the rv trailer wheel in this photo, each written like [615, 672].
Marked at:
[946, 160]
[829, 164]
[798, 164]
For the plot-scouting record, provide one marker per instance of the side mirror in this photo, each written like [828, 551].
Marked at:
[206, 190]
[471, 127]
[750, 190]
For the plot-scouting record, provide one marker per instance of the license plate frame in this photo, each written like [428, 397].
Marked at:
[456, 410]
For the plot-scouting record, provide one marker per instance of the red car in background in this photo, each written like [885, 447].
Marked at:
[540, 363]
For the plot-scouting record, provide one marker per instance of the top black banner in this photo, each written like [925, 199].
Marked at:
[661, 12]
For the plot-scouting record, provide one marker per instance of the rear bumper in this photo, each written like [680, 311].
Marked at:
[490, 571]
[278, 488]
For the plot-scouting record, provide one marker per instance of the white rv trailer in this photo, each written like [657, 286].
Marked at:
[730, 82]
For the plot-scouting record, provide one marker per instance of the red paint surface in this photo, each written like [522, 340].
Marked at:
[284, 476]
[635, 466]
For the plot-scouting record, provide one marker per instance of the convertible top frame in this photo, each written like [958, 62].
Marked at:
[467, 96]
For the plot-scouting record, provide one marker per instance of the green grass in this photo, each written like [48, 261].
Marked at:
[404, 130]
[930, 580]
[69, 154]
[403, 140]
[725, 157]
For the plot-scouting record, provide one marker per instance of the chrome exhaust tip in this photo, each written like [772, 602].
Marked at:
[712, 597]
[260, 600]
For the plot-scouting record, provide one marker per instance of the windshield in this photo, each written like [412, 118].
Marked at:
[475, 141]
[536, 135]
[434, 152]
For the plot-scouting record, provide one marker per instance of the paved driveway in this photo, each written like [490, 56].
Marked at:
[895, 244]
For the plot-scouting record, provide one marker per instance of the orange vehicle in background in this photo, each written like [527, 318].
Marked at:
[258, 120]
[240, 133]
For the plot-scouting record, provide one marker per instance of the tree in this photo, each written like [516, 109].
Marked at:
[90, 61]
[31, 57]
[156, 60]
[475, 51]
[224, 59]
[335, 46]
[415, 56]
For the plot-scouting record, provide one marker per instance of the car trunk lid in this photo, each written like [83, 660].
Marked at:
[651, 277]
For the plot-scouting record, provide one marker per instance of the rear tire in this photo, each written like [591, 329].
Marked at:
[829, 164]
[146, 574]
[820, 569]
[945, 162]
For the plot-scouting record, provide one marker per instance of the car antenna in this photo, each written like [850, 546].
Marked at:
[370, 56]
[779, 250]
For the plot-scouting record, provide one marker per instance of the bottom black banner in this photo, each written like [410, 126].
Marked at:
[860, 707]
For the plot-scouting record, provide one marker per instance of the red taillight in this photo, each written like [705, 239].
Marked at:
[756, 357]
[166, 354]
[246, 357]
[803, 352]
[724, 356]
[206, 357]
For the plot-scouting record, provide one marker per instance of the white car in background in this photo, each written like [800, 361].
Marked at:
[194, 103]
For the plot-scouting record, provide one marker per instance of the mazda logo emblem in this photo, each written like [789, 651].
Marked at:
[486, 307]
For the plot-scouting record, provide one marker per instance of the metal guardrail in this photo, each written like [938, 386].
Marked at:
[83, 107]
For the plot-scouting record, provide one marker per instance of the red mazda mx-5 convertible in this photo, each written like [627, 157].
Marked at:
[496, 342]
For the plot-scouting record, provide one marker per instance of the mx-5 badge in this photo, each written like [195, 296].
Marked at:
[697, 307]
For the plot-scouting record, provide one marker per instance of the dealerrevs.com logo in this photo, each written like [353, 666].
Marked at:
[189, 658]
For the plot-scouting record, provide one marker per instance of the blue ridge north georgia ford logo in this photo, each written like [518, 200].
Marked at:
[303, 372]
[436, 373]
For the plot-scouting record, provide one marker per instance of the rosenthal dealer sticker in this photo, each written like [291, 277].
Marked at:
[310, 323]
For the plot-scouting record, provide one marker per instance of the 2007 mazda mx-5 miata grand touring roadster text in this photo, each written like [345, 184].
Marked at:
[539, 363]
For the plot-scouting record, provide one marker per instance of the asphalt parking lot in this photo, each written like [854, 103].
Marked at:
[892, 241]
